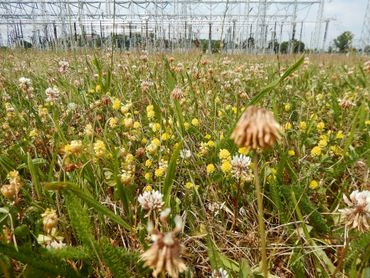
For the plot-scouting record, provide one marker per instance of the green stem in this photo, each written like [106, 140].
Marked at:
[261, 223]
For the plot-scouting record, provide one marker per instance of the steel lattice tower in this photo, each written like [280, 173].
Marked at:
[157, 24]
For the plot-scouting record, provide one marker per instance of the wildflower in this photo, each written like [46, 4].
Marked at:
[345, 103]
[75, 147]
[177, 93]
[210, 168]
[291, 153]
[159, 172]
[116, 104]
[98, 88]
[52, 94]
[220, 273]
[89, 130]
[113, 122]
[148, 188]
[99, 148]
[226, 166]
[336, 150]
[357, 215]
[339, 134]
[256, 128]
[287, 107]
[49, 220]
[12, 189]
[151, 200]
[314, 184]
[164, 254]
[316, 151]
[302, 125]
[186, 125]
[165, 136]
[240, 167]
[189, 185]
[195, 122]
[126, 177]
[33, 133]
[148, 163]
[63, 66]
[128, 122]
[320, 126]
[147, 176]
[185, 153]
[211, 144]
[323, 143]
[224, 154]
[243, 150]
[287, 126]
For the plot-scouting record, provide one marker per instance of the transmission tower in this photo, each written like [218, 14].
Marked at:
[365, 34]
[243, 25]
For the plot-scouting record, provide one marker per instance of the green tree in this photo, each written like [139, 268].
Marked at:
[344, 41]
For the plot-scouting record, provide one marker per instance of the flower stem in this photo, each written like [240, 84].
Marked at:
[261, 223]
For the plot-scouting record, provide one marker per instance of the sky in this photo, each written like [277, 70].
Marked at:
[349, 15]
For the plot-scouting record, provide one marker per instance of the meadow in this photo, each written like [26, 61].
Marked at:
[129, 165]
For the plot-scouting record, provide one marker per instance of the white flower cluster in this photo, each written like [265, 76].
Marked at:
[357, 215]
[240, 167]
[152, 200]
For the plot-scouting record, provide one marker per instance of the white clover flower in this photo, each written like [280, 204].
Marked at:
[185, 153]
[220, 273]
[52, 94]
[55, 245]
[152, 200]
[357, 215]
[240, 167]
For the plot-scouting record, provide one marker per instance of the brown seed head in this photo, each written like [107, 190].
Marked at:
[256, 128]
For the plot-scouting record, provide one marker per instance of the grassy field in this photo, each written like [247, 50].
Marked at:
[123, 165]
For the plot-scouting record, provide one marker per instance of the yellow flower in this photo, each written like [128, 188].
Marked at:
[287, 107]
[156, 142]
[98, 88]
[116, 104]
[33, 133]
[320, 126]
[113, 122]
[195, 122]
[186, 125]
[243, 150]
[339, 134]
[207, 136]
[287, 126]
[323, 143]
[99, 148]
[149, 108]
[147, 176]
[314, 184]
[336, 150]
[156, 127]
[367, 122]
[291, 153]
[316, 151]
[302, 125]
[189, 185]
[148, 188]
[226, 166]
[137, 125]
[151, 114]
[224, 154]
[148, 163]
[144, 141]
[210, 168]
[159, 172]
[210, 143]
[164, 136]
